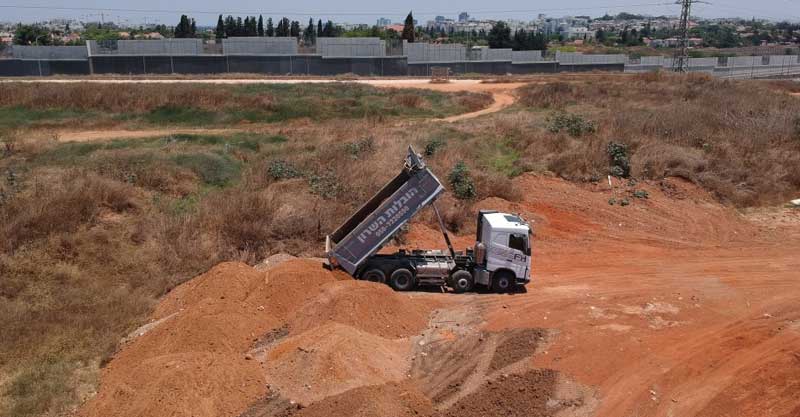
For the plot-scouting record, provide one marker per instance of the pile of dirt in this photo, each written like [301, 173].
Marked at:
[198, 355]
[524, 395]
[396, 315]
[192, 362]
[332, 359]
[392, 399]
[515, 345]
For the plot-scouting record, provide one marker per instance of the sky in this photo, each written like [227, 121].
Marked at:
[366, 11]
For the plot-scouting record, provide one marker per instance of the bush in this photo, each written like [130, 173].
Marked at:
[356, 148]
[461, 181]
[213, 169]
[280, 169]
[641, 194]
[574, 124]
[620, 165]
[325, 185]
[433, 145]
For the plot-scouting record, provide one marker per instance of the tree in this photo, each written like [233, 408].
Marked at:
[284, 28]
[260, 25]
[319, 28]
[31, 35]
[329, 31]
[193, 28]
[270, 28]
[408, 28]
[294, 29]
[220, 31]
[600, 35]
[310, 34]
[184, 28]
[500, 36]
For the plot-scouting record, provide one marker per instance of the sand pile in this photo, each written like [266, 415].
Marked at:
[199, 357]
[524, 395]
[396, 315]
[332, 359]
[192, 363]
[392, 399]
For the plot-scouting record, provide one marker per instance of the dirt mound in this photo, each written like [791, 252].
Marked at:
[396, 315]
[392, 399]
[515, 345]
[192, 363]
[289, 285]
[195, 358]
[524, 395]
[334, 358]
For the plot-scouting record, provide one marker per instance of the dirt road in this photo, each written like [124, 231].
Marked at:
[502, 93]
[671, 306]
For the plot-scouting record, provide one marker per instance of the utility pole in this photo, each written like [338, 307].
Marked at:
[680, 61]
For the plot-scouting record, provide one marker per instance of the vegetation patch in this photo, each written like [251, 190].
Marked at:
[574, 124]
[461, 182]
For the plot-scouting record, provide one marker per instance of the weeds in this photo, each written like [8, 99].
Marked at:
[575, 125]
[282, 170]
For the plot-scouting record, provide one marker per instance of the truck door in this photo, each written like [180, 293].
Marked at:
[500, 255]
[520, 251]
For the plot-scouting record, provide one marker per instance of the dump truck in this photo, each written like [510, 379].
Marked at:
[499, 259]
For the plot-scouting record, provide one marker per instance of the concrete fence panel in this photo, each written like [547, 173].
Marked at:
[259, 46]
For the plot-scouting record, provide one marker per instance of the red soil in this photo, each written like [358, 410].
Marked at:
[673, 305]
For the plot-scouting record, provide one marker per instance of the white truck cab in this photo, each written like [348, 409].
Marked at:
[502, 250]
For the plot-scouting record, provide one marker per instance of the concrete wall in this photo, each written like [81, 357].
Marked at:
[42, 67]
[527, 56]
[579, 58]
[49, 52]
[489, 54]
[259, 46]
[351, 47]
[426, 52]
[160, 47]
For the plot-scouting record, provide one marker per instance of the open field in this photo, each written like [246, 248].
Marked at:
[682, 302]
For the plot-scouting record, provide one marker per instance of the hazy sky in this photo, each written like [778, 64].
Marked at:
[366, 11]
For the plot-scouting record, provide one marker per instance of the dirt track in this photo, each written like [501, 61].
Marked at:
[502, 94]
[672, 306]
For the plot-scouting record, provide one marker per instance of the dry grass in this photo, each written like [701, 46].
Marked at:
[738, 139]
[92, 234]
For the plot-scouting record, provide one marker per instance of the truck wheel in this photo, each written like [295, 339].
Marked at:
[503, 282]
[402, 280]
[374, 275]
[462, 281]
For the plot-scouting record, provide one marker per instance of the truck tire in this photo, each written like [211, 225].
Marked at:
[503, 282]
[462, 281]
[374, 275]
[402, 280]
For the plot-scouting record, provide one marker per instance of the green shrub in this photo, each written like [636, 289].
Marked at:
[620, 164]
[460, 180]
[280, 169]
[641, 194]
[358, 147]
[575, 125]
[325, 185]
[213, 169]
[433, 145]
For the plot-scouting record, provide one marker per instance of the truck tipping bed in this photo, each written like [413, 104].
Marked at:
[366, 231]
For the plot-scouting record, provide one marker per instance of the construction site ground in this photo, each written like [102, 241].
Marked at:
[674, 305]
